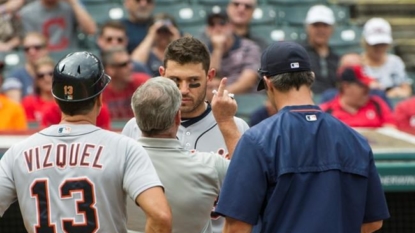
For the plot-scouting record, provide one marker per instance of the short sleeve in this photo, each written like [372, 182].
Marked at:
[139, 173]
[7, 188]
[376, 207]
[399, 74]
[245, 187]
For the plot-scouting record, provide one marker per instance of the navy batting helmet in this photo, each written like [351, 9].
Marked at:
[79, 76]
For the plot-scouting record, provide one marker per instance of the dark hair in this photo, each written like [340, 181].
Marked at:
[187, 50]
[112, 24]
[78, 107]
[286, 81]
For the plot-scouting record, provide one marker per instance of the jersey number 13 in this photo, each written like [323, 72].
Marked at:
[85, 206]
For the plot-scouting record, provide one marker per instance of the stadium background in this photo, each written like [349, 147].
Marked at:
[277, 20]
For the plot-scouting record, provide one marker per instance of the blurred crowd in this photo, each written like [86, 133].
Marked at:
[358, 88]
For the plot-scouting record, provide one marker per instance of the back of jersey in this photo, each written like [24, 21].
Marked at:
[74, 178]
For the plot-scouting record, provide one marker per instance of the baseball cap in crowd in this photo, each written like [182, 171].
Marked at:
[377, 31]
[217, 14]
[320, 14]
[282, 57]
[354, 73]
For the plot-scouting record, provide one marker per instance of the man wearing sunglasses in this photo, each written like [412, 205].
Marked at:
[113, 33]
[118, 65]
[240, 14]
[138, 21]
[234, 57]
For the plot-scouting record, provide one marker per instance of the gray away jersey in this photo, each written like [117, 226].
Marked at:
[203, 136]
[74, 178]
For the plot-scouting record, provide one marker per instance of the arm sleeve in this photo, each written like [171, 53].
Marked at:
[139, 173]
[401, 76]
[376, 208]
[245, 186]
[7, 189]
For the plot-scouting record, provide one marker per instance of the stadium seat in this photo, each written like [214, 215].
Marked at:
[248, 103]
[184, 14]
[295, 15]
[297, 2]
[194, 30]
[264, 14]
[220, 3]
[12, 60]
[341, 50]
[276, 33]
[346, 36]
[105, 11]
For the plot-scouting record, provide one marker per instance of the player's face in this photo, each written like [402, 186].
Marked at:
[44, 78]
[191, 79]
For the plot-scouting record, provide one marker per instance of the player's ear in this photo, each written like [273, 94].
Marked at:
[211, 74]
[162, 71]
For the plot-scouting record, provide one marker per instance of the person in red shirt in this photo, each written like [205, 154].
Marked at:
[42, 97]
[52, 116]
[354, 105]
[405, 115]
[124, 82]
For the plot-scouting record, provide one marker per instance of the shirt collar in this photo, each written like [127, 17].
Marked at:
[160, 142]
[300, 108]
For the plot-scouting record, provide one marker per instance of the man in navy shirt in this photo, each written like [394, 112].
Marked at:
[301, 170]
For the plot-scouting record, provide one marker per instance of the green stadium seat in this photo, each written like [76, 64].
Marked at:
[264, 14]
[276, 33]
[220, 3]
[105, 11]
[12, 60]
[184, 14]
[346, 36]
[248, 103]
[297, 2]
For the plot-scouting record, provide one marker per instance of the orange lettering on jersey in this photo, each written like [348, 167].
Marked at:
[97, 156]
[46, 162]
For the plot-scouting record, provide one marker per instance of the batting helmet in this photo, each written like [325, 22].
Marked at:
[79, 76]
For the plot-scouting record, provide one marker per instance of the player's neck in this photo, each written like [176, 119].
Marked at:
[89, 118]
[294, 97]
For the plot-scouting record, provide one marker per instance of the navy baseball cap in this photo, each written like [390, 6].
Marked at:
[282, 57]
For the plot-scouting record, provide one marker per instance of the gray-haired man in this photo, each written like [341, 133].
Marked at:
[192, 179]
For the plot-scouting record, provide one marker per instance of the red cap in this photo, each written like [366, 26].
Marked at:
[354, 73]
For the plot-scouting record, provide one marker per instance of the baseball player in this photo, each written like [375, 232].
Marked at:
[187, 63]
[74, 176]
[192, 180]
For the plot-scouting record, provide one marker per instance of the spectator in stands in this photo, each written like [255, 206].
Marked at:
[124, 82]
[354, 105]
[10, 27]
[234, 57]
[57, 20]
[354, 59]
[319, 24]
[19, 82]
[138, 21]
[12, 114]
[52, 116]
[151, 49]
[42, 97]
[405, 115]
[240, 14]
[113, 33]
[387, 69]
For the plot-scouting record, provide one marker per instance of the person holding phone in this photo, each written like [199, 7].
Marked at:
[151, 51]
